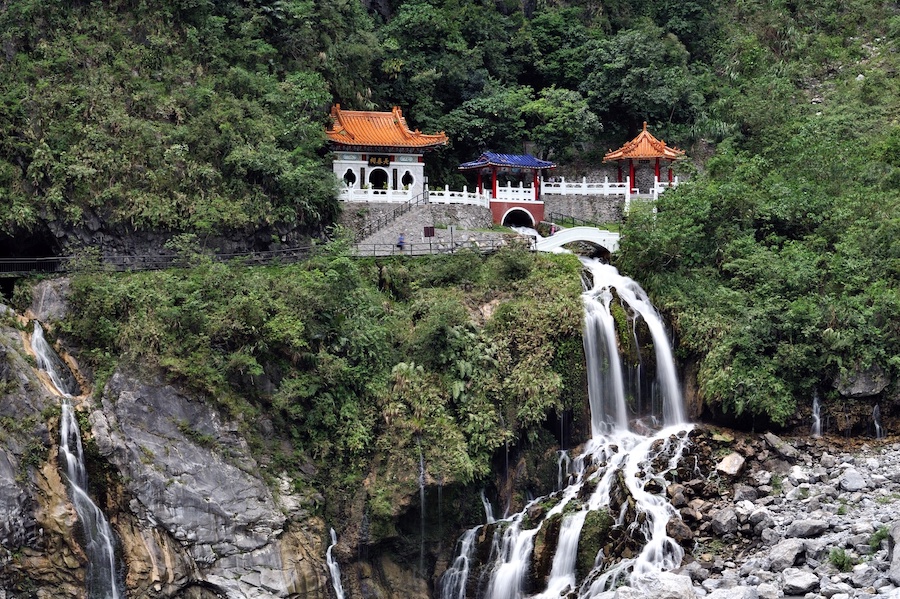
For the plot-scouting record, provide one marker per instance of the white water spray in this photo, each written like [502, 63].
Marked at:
[333, 568]
[453, 582]
[98, 536]
[876, 420]
[488, 509]
[816, 429]
[621, 461]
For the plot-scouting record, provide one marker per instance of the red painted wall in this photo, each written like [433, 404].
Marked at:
[535, 209]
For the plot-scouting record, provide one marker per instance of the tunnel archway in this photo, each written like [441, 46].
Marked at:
[518, 217]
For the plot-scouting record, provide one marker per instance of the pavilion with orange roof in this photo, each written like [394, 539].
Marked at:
[377, 152]
[643, 149]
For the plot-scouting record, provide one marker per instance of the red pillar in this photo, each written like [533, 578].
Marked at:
[657, 168]
[631, 172]
[494, 181]
[670, 175]
[480, 184]
[535, 185]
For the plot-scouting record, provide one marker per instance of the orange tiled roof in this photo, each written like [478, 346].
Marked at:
[644, 146]
[385, 129]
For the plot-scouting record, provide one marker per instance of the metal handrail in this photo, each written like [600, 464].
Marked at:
[121, 263]
[561, 219]
[386, 219]
[135, 263]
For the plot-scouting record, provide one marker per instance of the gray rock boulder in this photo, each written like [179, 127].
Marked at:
[786, 554]
[852, 481]
[894, 554]
[863, 383]
[806, 529]
[725, 521]
[782, 448]
[731, 464]
[799, 582]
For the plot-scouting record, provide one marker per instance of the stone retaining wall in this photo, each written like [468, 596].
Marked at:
[596, 208]
[356, 215]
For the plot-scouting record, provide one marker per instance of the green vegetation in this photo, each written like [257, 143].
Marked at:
[878, 536]
[841, 560]
[368, 364]
[778, 265]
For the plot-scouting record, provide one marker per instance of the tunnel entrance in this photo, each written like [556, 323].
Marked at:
[518, 218]
[39, 243]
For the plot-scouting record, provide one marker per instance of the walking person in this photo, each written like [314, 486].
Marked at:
[401, 241]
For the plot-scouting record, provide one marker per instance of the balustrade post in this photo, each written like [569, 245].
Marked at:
[627, 194]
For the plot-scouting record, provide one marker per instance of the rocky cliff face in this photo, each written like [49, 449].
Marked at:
[194, 514]
[195, 510]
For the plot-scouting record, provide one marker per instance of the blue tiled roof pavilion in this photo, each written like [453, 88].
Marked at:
[494, 159]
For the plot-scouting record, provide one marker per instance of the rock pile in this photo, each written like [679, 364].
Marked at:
[775, 518]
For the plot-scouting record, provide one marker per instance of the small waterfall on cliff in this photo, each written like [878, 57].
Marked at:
[98, 536]
[488, 509]
[816, 429]
[619, 473]
[876, 420]
[50, 362]
[333, 568]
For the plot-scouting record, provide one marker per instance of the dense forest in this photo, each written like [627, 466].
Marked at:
[777, 265]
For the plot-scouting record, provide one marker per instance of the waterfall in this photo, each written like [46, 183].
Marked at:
[562, 470]
[606, 278]
[50, 362]
[816, 429]
[453, 582]
[621, 461]
[421, 512]
[876, 419]
[98, 536]
[333, 568]
[488, 509]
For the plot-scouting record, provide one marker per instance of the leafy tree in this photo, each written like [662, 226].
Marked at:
[641, 73]
[560, 119]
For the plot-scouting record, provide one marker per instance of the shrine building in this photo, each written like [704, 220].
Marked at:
[520, 205]
[376, 155]
[644, 150]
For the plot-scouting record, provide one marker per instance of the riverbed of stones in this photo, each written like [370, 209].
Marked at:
[773, 517]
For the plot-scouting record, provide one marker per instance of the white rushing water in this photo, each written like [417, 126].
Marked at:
[614, 457]
[876, 420]
[333, 568]
[816, 429]
[99, 542]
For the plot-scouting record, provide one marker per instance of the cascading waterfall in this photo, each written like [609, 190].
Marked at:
[616, 457]
[50, 362]
[333, 568]
[816, 429]
[876, 420]
[421, 511]
[98, 536]
[488, 509]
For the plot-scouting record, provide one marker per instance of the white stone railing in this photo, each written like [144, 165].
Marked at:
[516, 194]
[585, 187]
[661, 186]
[509, 193]
[446, 196]
[354, 194]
